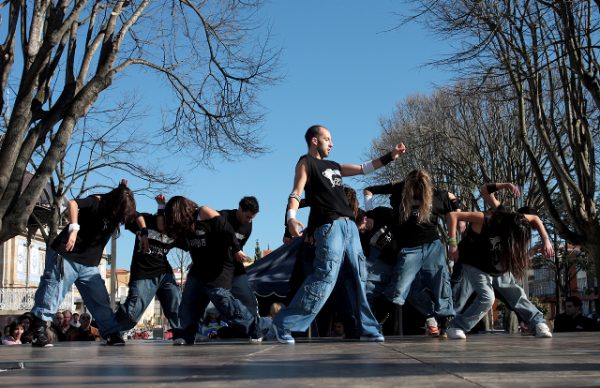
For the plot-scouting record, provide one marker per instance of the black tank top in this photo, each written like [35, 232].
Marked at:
[325, 192]
[483, 250]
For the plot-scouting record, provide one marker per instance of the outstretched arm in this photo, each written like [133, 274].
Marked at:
[372, 165]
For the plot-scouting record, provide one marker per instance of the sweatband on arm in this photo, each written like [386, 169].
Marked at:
[295, 196]
[367, 167]
[73, 227]
[491, 188]
[455, 204]
[291, 213]
[387, 158]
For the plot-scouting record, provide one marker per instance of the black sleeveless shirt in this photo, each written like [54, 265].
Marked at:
[325, 192]
[482, 250]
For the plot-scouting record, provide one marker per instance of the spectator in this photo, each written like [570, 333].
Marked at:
[212, 323]
[56, 327]
[15, 331]
[338, 330]
[572, 319]
[26, 320]
[85, 332]
[75, 320]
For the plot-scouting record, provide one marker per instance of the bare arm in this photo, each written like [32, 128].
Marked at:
[73, 225]
[453, 218]
[300, 178]
[356, 169]
[535, 222]
[487, 192]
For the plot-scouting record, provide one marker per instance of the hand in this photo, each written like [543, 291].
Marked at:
[71, 241]
[453, 253]
[160, 199]
[514, 190]
[547, 249]
[241, 257]
[295, 227]
[398, 150]
[123, 182]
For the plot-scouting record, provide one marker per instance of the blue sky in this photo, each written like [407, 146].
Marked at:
[341, 69]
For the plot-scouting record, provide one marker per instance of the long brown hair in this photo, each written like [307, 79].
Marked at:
[417, 194]
[515, 231]
[352, 199]
[180, 216]
[118, 205]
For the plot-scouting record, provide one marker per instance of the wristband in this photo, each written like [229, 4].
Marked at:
[452, 242]
[387, 158]
[144, 232]
[295, 196]
[491, 188]
[161, 206]
[291, 213]
[73, 227]
[160, 212]
[367, 167]
[455, 204]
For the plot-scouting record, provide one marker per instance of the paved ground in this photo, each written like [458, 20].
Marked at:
[486, 360]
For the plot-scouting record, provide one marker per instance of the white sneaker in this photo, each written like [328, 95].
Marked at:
[454, 333]
[542, 330]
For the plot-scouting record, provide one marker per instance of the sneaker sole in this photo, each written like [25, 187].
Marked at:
[281, 340]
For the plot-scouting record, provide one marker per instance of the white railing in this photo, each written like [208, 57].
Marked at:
[17, 299]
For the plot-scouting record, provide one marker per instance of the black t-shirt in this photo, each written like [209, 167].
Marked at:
[95, 231]
[381, 235]
[325, 192]
[211, 250]
[483, 251]
[242, 233]
[146, 265]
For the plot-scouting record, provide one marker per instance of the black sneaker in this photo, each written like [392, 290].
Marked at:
[40, 337]
[115, 339]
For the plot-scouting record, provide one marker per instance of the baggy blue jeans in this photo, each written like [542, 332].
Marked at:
[59, 275]
[333, 241]
[429, 262]
[141, 293]
[514, 297]
[474, 281]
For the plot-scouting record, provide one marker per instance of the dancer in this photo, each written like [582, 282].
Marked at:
[496, 242]
[151, 274]
[421, 261]
[213, 247]
[505, 285]
[335, 234]
[73, 257]
[241, 221]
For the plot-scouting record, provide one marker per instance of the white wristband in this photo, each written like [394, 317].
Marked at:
[367, 167]
[73, 227]
[161, 206]
[291, 213]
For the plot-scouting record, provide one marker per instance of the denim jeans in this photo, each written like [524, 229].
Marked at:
[59, 275]
[240, 288]
[379, 277]
[427, 262]
[475, 282]
[514, 297]
[196, 297]
[141, 292]
[334, 241]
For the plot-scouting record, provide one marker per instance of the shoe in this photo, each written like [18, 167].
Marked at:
[431, 327]
[443, 324]
[114, 339]
[542, 330]
[372, 338]
[283, 338]
[454, 333]
[256, 340]
[182, 341]
[40, 338]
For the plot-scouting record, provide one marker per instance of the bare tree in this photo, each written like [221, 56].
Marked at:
[58, 57]
[181, 260]
[548, 52]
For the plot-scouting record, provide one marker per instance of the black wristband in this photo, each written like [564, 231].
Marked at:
[455, 204]
[160, 212]
[144, 232]
[491, 188]
[387, 158]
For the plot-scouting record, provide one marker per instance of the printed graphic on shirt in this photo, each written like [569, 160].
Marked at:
[239, 236]
[334, 176]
